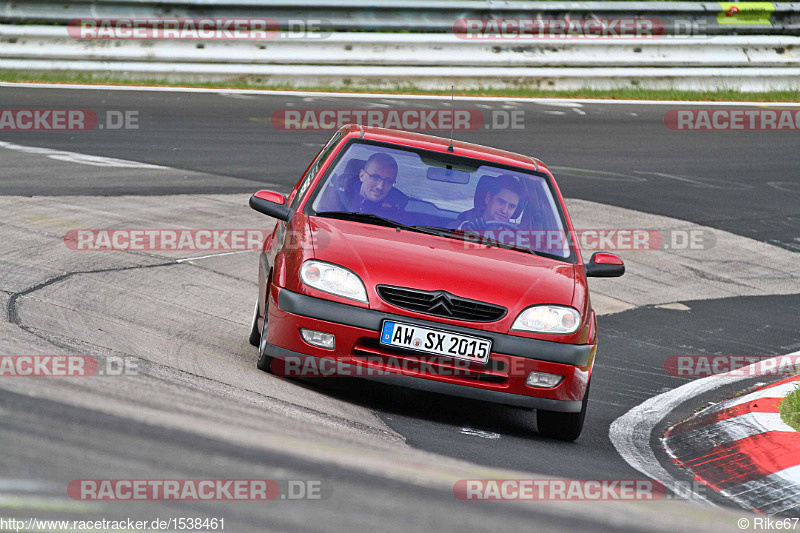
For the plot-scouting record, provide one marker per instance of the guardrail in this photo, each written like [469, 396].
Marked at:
[428, 50]
[421, 15]
[755, 54]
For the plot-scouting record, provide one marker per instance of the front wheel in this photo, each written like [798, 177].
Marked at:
[255, 334]
[264, 360]
[562, 426]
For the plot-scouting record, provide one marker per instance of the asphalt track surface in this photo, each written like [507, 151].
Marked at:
[742, 182]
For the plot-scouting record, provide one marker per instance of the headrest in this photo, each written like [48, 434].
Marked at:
[350, 175]
[485, 184]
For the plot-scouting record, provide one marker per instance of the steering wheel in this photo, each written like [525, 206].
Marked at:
[499, 224]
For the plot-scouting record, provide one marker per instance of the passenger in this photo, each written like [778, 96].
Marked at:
[366, 189]
[499, 205]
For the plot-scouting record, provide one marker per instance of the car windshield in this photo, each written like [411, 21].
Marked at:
[437, 193]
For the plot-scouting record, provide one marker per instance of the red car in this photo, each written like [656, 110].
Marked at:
[430, 264]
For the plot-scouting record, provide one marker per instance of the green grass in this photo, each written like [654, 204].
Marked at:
[789, 409]
[256, 83]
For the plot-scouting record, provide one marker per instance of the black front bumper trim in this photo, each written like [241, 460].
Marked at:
[450, 389]
[349, 315]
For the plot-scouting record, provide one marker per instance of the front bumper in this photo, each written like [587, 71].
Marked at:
[357, 330]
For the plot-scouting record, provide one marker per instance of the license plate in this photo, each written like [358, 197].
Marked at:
[435, 341]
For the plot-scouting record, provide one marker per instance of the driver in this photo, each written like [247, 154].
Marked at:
[499, 205]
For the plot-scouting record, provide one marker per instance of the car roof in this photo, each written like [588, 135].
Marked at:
[440, 144]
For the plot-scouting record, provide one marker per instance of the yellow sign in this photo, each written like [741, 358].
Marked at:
[745, 13]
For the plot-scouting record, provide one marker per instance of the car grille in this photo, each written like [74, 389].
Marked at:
[441, 303]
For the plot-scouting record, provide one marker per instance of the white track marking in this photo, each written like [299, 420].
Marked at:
[267, 92]
[786, 186]
[631, 432]
[239, 96]
[677, 306]
[479, 433]
[82, 159]
[572, 104]
[597, 174]
[214, 255]
[703, 183]
[25, 485]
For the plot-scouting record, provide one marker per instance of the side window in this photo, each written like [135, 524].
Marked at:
[314, 168]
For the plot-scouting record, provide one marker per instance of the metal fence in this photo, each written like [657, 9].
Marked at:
[420, 16]
[415, 42]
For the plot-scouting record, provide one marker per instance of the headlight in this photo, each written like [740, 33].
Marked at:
[334, 279]
[548, 319]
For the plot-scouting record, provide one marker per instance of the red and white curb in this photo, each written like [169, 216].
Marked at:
[741, 446]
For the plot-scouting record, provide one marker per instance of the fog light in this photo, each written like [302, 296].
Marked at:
[319, 339]
[543, 380]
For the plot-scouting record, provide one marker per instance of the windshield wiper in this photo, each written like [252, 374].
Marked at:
[462, 235]
[369, 218]
[467, 236]
[381, 221]
[434, 230]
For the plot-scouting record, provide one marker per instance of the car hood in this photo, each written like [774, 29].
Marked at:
[382, 255]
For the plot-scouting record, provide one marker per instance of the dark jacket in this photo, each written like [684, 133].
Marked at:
[350, 199]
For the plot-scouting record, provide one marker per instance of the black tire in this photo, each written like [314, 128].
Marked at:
[562, 426]
[255, 334]
[264, 360]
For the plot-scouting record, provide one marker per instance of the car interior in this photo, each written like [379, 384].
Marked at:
[534, 212]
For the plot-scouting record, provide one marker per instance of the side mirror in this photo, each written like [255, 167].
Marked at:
[605, 265]
[270, 203]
